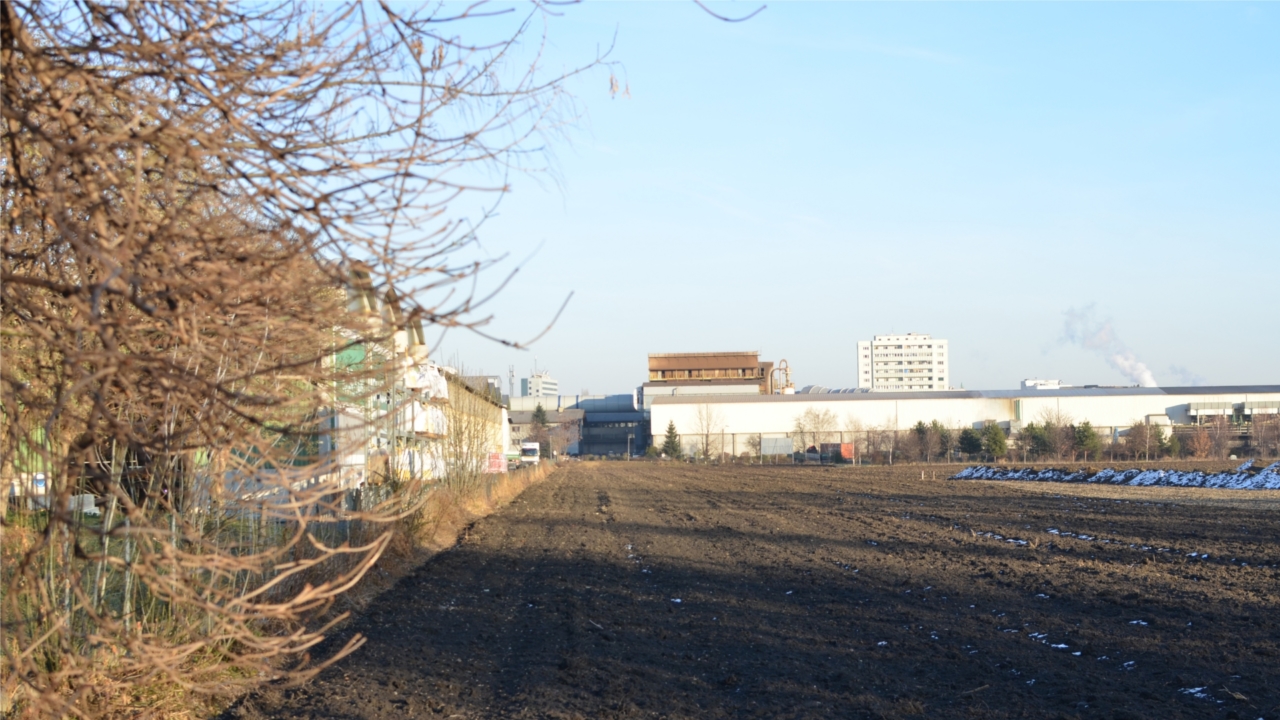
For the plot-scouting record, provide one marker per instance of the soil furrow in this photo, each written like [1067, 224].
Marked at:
[630, 590]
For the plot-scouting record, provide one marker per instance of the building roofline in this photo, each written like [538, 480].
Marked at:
[704, 381]
[973, 394]
[704, 354]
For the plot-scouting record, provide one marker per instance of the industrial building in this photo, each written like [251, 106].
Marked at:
[737, 420]
[607, 424]
[565, 426]
[903, 363]
[713, 373]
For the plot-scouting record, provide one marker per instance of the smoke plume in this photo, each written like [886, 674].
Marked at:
[1186, 377]
[1084, 329]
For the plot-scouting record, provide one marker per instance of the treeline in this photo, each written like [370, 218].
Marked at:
[1059, 438]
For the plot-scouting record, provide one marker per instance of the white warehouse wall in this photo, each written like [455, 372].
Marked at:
[1104, 408]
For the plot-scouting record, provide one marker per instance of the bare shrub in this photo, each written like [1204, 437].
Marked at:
[1200, 444]
[1220, 433]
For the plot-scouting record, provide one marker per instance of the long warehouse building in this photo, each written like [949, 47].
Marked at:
[1111, 410]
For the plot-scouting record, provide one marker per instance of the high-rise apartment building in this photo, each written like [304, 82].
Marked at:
[903, 363]
[539, 384]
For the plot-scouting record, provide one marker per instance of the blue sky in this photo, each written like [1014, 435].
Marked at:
[829, 171]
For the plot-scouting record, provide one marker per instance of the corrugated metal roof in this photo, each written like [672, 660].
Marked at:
[704, 361]
[524, 417]
[745, 382]
[1073, 392]
[703, 354]
[1221, 389]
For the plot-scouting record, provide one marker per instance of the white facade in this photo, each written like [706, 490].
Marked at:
[903, 363]
[539, 385]
[1110, 410]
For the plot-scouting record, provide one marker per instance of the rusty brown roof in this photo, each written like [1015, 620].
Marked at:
[704, 361]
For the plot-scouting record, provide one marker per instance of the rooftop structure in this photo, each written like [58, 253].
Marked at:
[539, 384]
[903, 363]
[720, 368]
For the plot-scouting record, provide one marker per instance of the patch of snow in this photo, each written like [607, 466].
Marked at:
[1244, 477]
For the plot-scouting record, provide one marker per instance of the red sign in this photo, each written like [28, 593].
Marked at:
[497, 463]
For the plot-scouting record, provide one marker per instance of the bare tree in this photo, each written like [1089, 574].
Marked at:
[1141, 441]
[474, 431]
[911, 447]
[708, 425]
[1220, 432]
[1059, 432]
[1266, 434]
[187, 187]
[813, 427]
[563, 435]
[858, 435]
[882, 440]
[926, 440]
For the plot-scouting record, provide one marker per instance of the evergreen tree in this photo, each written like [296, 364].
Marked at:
[671, 445]
[1088, 440]
[539, 432]
[970, 442]
[1160, 440]
[994, 441]
[944, 438]
[1035, 439]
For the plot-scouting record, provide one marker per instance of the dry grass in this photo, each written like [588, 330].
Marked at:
[443, 517]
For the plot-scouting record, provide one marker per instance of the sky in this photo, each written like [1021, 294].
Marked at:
[1060, 190]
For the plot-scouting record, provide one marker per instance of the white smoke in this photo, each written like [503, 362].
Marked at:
[1084, 329]
[1187, 377]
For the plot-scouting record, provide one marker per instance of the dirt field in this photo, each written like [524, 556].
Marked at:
[630, 590]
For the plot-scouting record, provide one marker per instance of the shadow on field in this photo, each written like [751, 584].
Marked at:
[597, 598]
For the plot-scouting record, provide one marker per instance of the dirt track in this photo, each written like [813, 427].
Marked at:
[813, 593]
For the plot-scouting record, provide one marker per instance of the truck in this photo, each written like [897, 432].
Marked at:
[529, 452]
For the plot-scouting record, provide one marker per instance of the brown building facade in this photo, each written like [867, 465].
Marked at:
[714, 368]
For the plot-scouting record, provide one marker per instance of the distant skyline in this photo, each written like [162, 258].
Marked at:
[991, 174]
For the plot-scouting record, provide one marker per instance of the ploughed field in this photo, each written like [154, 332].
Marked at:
[621, 590]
